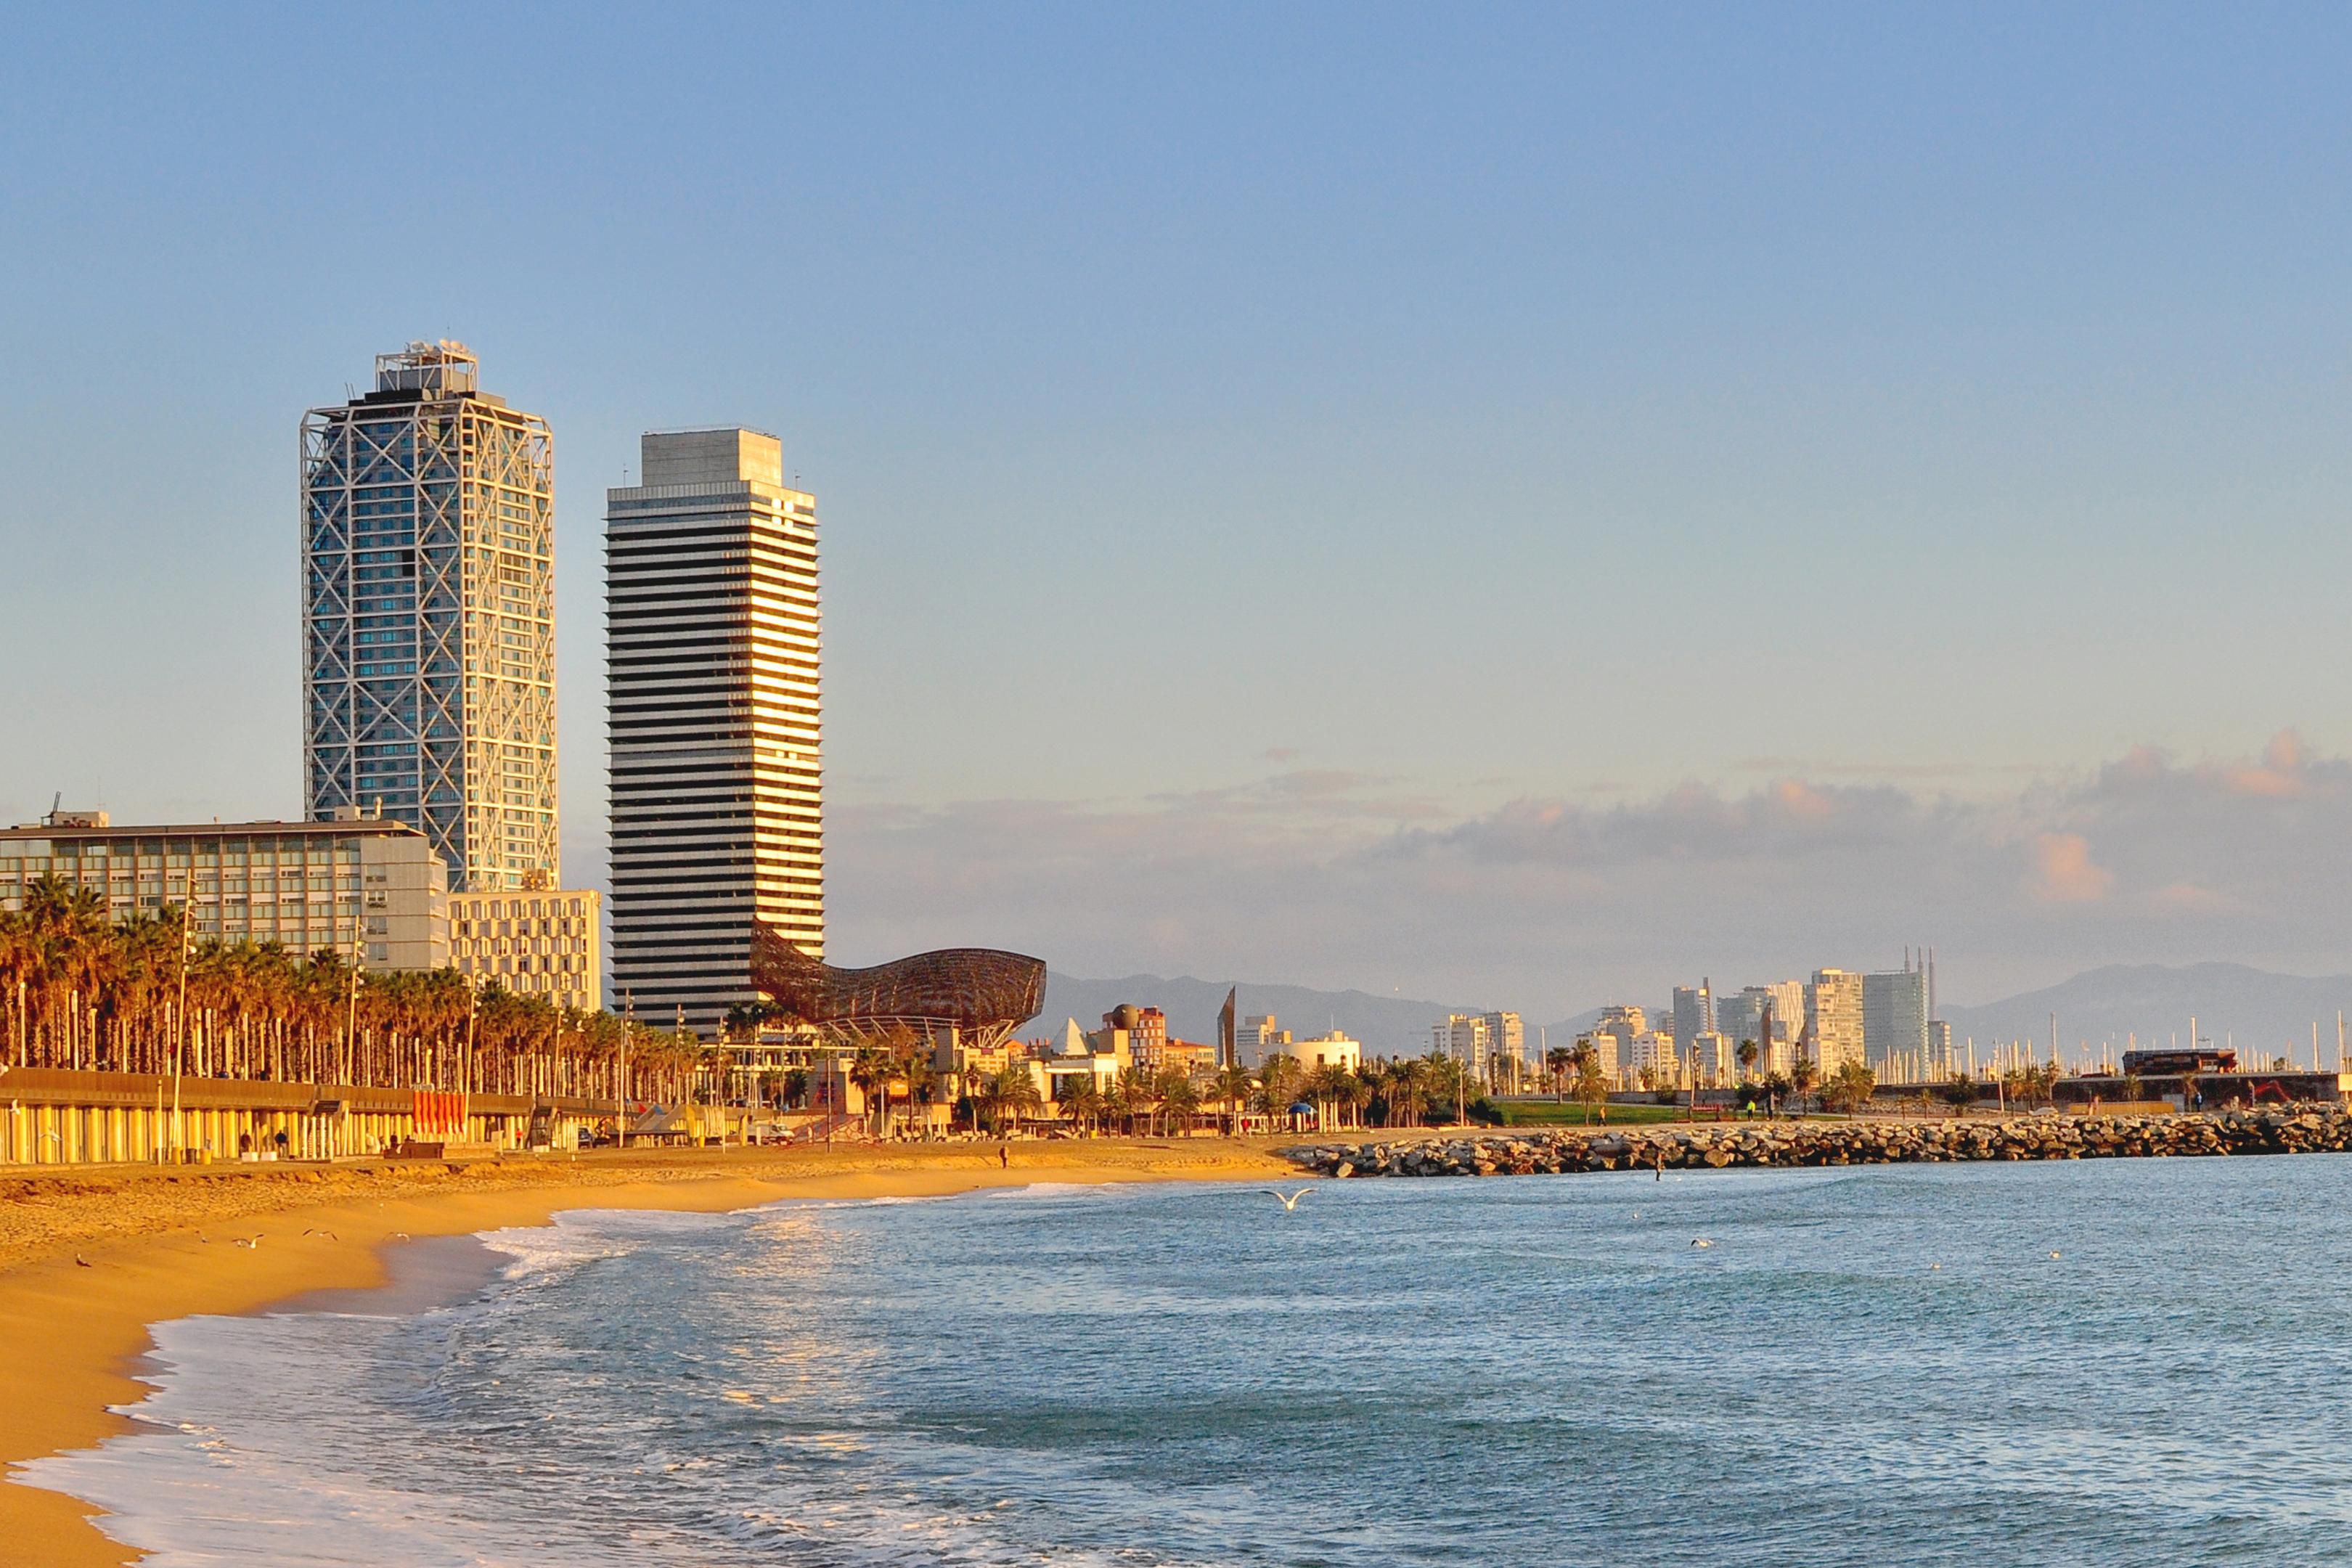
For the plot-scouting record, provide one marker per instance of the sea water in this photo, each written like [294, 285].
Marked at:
[2126, 1361]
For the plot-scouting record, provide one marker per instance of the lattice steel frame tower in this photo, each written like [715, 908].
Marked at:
[428, 605]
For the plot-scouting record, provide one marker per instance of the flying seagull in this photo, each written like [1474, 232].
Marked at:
[81, 1262]
[241, 1241]
[1701, 1241]
[314, 1231]
[1290, 1204]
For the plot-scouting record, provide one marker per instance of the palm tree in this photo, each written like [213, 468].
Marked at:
[1179, 1099]
[1557, 1060]
[1803, 1073]
[1849, 1087]
[1591, 1081]
[1321, 1085]
[1748, 1055]
[1133, 1095]
[870, 1071]
[1008, 1091]
[1083, 1102]
[1406, 1088]
[1355, 1093]
[1277, 1085]
[1232, 1090]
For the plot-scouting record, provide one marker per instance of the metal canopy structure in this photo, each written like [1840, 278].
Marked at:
[981, 992]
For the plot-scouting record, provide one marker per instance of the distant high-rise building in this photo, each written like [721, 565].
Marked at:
[429, 603]
[1740, 1018]
[1650, 1061]
[1694, 1013]
[1609, 1050]
[1624, 1020]
[1710, 1059]
[1895, 1019]
[1257, 1038]
[1939, 1048]
[1507, 1048]
[1462, 1036]
[1833, 1018]
[715, 717]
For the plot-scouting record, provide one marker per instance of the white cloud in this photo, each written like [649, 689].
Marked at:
[1551, 905]
[2064, 873]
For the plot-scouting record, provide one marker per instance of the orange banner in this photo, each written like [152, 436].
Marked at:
[440, 1113]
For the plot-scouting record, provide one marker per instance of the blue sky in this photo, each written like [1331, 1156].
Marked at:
[1285, 439]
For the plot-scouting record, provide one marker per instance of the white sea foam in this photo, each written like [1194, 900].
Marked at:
[586, 1236]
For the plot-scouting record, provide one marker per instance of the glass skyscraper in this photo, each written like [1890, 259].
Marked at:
[428, 601]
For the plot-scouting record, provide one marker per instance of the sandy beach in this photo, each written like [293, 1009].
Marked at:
[91, 1257]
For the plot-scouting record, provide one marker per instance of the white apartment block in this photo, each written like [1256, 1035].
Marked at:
[534, 943]
[715, 714]
[1651, 1052]
[1624, 1022]
[1609, 1050]
[360, 887]
[1462, 1036]
[1833, 1018]
[1506, 1046]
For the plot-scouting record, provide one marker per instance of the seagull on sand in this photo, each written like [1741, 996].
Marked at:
[1290, 1204]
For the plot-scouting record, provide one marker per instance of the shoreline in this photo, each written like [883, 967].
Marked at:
[91, 1259]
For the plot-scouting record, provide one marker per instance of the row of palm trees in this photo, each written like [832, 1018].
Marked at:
[79, 991]
[1403, 1092]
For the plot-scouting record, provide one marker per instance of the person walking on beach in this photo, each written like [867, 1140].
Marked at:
[1004, 1156]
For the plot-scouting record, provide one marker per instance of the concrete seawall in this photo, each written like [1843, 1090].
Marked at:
[2298, 1130]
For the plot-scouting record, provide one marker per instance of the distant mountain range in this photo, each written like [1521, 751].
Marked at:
[2251, 1008]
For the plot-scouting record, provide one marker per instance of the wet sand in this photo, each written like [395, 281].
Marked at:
[90, 1256]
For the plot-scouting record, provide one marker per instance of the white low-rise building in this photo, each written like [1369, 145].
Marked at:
[1334, 1049]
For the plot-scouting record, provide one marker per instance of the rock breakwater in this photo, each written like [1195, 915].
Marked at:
[2295, 1130]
